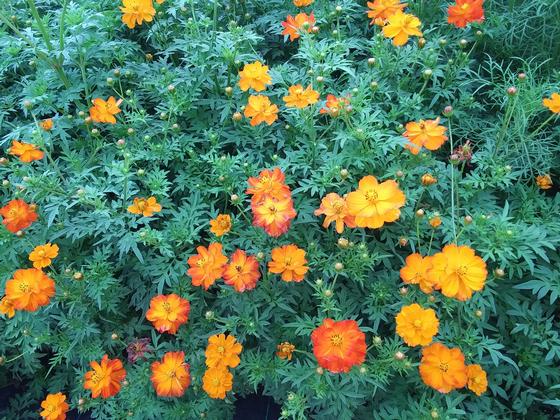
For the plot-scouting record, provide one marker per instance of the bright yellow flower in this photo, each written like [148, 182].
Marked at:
[254, 76]
[400, 26]
[42, 255]
[298, 97]
[144, 206]
[137, 11]
[260, 109]
[553, 103]
[417, 326]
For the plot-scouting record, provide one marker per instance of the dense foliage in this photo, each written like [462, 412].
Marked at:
[183, 137]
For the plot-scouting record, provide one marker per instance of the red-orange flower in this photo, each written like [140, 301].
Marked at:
[26, 152]
[29, 289]
[335, 209]
[289, 260]
[54, 407]
[294, 26]
[443, 368]
[270, 182]
[339, 345]
[333, 105]
[105, 378]
[47, 124]
[425, 133]
[18, 215]
[242, 272]
[171, 376]
[207, 266]
[168, 312]
[105, 111]
[465, 11]
[273, 215]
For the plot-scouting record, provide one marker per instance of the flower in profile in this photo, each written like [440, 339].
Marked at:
[255, 76]
[260, 109]
[54, 407]
[335, 209]
[171, 376]
[458, 271]
[271, 183]
[7, 307]
[135, 12]
[400, 26]
[137, 349]
[544, 182]
[207, 266]
[47, 124]
[464, 12]
[303, 3]
[18, 215]
[295, 26]
[428, 179]
[216, 382]
[105, 378]
[144, 206]
[339, 345]
[223, 351]
[220, 225]
[105, 111]
[415, 271]
[273, 215]
[26, 152]
[333, 105]
[553, 103]
[443, 368]
[435, 221]
[476, 379]
[374, 203]
[168, 312]
[380, 10]
[298, 97]
[43, 255]
[290, 262]
[242, 272]
[417, 326]
[29, 289]
[425, 133]
[285, 350]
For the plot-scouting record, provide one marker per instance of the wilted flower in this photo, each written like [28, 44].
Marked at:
[138, 349]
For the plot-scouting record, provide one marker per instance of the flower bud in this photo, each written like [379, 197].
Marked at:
[403, 241]
[428, 179]
[260, 256]
[234, 198]
[427, 73]
[448, 111]
[442, 42]
[338, 266]
[27, 104]
[434, 414]
[114, 336]
[343, 243]
[110, 81]
[320, 79]
[5, 183]
[319, 370]
[117, 72]
[344, 173]
[228, 91]
[498, 272]
[328, 293]
[121, 142]
[318, 282]
[478, 313]
[315, 29]
[130, 131]
[399, 355]
[374, 86]
[463, 43]
[3, 161]
[432, 298]
[468, 220]
[512, 91]
[399, 174]
[403, 291]
[376, 341]
[209, 315]
[335, 33]
[170, 88]
[421, 42]
[95, 131]
[363, 369]
[78, 275]
[420, 213]
[371, 61]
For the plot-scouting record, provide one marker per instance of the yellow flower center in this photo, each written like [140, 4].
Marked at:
[336, 340]
[238, 268]
[465, 6]
[476, 380]
[371, 195]
[462, 270]
[338, 207]
[216, 381]
[97, 377]
[417, 323]
[288, 262]
[444, 367]
[221, 349]
[41, 253]
[12, 213]
[24, 287]
[201, 262]
[273, 209]
[166, 307]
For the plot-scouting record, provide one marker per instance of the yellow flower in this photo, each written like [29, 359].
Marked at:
[298, 97]
[553, 103]
[220, 225]
[42, 255]
[7, 307]
[476, 379]
[544, 182]
[216, 382]
[417, 326]
[400, 26]
[435, 221]
[302, 3]
[145, 206]
[137, 11]
[254, 76]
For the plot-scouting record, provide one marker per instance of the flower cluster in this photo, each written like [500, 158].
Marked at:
[221, 353]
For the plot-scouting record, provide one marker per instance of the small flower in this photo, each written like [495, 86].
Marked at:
[333, 105]
[105, 111]
[207, 266]
[417, 326]
[425, 133]
[443, 368]
[137, 349]
[106, 377]
[464, 12]
[553, 103]
[294, 26]
[416, 272]
[290, 262]
[298, 97]
[54, 407]
[134, 12]
[476, 379]
[255, 76]
[144, 206]
[435, 221]
[43, 255]
[285, 350]
[47, 124]
[335, 209]
[29, 289]
[216, 382]
[260, 109]
[302, 3]
[242, 272]
[273, 215]
[171, 376]
[18, 215]
[269, 183]
[381, 10]
[168, 312]
[428, 179]
[223, 351]
[26, 152]
[400, 26]
[544, 182]
[220, 225]
[7, 307]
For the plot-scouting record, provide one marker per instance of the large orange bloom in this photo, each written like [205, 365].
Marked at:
[339, 345]
[298, 97]
[443, 368]
[274, 216]
[242, 272]
[294, 26]
[223, 351]
[416, 272]
[168, 312]
[255, 76]
[54, 407]
[335, 209]
[105, 111]
[476, 379]
[260, 109]
[374, 204]
[144, 206]
[425, 133]
[29, 289]
[288, 260]
[207, 266]
[134, 12]
[171, 376]
[381, 10]
[465, 11]
[416, 325]
[270, 182]
[216, 382]
[400, 26]
[17, 215]
[105, 378]
[43, 255]
[458, 271]
[26, 152]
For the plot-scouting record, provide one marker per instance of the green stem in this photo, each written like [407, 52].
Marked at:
[540, 127]
[61, 25]
[452, 182]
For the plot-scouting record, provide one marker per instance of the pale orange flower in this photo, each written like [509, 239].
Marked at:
[476, 379]
[435, 221]
[216, 382]
[144, 206]
[290, 262]
[425, 133]
[255, 76]
[105, 111]
[381, 10]
[294, 26]
[416, 272]
[47, 124]
[43, 255]
[335, 209]
[553, 103]
[302, 3]
[298, 97]
[260, 109]
[417, 326]
[26, 152]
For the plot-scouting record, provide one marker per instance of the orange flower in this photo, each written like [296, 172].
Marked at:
[374, 204]
[435, 221]
[442, 368]
[294, 26]
[220, 225]
[223, 351]
[425, 133]
[18, 215]
[54, 407]
[333, 105]
[381, 10]
[43, 255]
[104, 111]
[26, 152]
[428, 179]
[544, 182]
[285, 350]
[260, 109]
[553, 103]
[47, 124]
[242, 272]
[339, 345]
[274, 216]
[416, 325]
[302, 3]
[458, 271]
[216, 382]
[105, 378]
[171, 376]
[207, 266]
[335, 209]
[168, 312]
[288, 260]
[29, 289]
[400, 26]
[137, 11]
[269, 183]
[255, 76]
[416, 272]
[465, 11]
[7, 307]
[298, 97]
[144, 206]
[476, 379]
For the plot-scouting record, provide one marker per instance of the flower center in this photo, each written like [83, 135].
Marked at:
[216, 381]
[417, 323]
[221, 349]
[338, 207]
[41, 253]
[462, 270]
[24, 287]
[444, 367]
[371, 195]
[166, 307]
[12, 213]
[273, 209]
[336, 340]
[238, 268]
[97, 377]
[141, 204]
[201, 262]
[476, 380]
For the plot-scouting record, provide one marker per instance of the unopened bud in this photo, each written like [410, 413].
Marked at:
[371, 61]
[78, 276]
[498, 272]
[338, 266]
[512, 91]
[343, 243]
[420, 213]
[399, 355]
[468, 220]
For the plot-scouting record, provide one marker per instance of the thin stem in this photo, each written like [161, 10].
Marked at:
[452, 182]
[540, 127]
[61, 25]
